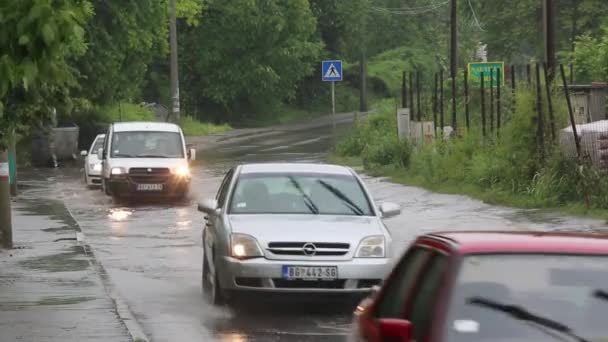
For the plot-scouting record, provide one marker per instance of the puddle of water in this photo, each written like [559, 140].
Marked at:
[62, 262]
[64, 300]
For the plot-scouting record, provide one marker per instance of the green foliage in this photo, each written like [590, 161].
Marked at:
[375, 140]
[37, 39]
[507, 168]
[590, 57]
[250, 52]
[193, 127]
[124, 37]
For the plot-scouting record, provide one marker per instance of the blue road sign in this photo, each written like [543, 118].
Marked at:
[331, 71]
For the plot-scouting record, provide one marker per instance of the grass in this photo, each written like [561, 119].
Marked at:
[193, 127]
[126, 112]
[505, 170]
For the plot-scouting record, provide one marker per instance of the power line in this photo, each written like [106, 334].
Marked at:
[409, 10]
[475, 17]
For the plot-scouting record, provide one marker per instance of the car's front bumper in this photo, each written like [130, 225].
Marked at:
[356, 276]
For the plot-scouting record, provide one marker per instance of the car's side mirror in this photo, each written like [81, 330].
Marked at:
[192, 154]
[83, 153]
[208, 206]
[100, 154]
[389, 209]
[392, 329]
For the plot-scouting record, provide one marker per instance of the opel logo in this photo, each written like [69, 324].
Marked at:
[309, 249]
[149, 170]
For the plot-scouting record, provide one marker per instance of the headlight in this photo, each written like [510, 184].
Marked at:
[244, 246]
[95, 167]
[372, 247]
[182, 171]
[118, 171]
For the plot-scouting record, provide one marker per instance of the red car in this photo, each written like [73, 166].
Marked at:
[492, 286]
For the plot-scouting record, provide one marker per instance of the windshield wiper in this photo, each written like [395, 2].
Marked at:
[522, 314]
[309, 203]
[123, 155]
[350, 204]
[600, 294]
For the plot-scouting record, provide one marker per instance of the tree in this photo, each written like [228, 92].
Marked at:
[124, 37]
[37, 40]
[590, 57]
[249, 53]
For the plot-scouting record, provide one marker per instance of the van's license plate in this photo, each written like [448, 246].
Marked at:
[149, 187]
[310, 272]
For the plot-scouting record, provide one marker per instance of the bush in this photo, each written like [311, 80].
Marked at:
[506, 168]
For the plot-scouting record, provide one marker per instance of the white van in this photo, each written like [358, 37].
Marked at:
[145, 158]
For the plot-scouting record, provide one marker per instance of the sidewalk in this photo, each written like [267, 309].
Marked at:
[50, 286]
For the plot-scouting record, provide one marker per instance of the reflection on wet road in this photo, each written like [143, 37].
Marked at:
[153, 254]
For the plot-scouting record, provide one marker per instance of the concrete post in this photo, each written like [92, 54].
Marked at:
[403, 123]
[6, 229]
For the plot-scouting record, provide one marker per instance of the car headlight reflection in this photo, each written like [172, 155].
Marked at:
[244, 246]
[182, 171]
[372, 247]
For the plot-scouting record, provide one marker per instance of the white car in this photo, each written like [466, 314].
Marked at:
[145, 159]
[92, 164]
[294, 229]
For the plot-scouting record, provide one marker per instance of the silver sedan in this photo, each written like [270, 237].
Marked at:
[293, 228]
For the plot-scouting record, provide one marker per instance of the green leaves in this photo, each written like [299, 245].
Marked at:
[38, 39]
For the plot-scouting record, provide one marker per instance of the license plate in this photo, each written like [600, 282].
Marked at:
[149, 187]
[310, 272]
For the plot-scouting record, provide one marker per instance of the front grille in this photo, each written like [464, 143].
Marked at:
[308, 284]
[153, 171]
[297, 248]
[249, 282]
[153, 175]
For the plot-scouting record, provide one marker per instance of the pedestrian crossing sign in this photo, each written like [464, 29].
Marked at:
[331, 71]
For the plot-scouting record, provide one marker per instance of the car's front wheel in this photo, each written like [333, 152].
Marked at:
[210, 283]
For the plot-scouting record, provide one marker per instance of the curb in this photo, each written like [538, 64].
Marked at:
[123, 311]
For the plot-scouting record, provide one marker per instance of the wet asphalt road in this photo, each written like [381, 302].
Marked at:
[152, 251]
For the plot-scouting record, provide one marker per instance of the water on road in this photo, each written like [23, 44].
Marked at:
[152, 251]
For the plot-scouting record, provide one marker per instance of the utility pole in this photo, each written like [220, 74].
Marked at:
[363, 90]
[453, 56]
[549, 18]
[175, 112]
[6, 230]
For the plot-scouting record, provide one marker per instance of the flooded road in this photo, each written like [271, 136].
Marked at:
[152, 251]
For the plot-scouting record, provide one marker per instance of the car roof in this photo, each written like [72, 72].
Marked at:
[295, 168]
[472, 242]
[145, 126]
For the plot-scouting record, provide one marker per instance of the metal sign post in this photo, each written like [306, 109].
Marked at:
[331, 71]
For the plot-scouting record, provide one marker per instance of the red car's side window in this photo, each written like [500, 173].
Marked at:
[422, 303]
[391, 303]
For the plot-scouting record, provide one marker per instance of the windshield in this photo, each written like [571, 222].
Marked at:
[147, 144]
[315, 194]
[560, 288]
[98, 144]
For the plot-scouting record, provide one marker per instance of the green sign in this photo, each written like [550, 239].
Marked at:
[490, 70]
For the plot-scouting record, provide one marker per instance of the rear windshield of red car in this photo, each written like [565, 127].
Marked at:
[571, 290]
